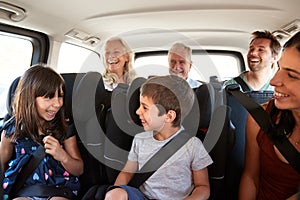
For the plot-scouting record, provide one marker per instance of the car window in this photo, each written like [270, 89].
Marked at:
[16, 56]
[223, 64]
[75, 59]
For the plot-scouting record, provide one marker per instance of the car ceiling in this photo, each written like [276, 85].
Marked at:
[150, 23]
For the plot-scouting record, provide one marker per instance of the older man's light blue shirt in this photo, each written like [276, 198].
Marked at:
[193, 84]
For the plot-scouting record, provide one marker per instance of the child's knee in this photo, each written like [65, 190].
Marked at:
[116, 193]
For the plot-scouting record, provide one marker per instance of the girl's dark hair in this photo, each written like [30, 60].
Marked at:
[37, 81]
[286, 123]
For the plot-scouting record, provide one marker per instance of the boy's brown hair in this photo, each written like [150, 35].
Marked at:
[170, 93]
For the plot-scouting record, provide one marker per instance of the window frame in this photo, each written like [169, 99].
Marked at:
[40, 41]
[40, 44]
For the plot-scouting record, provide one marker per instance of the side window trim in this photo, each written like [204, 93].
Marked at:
[39, 45]
[40, 41]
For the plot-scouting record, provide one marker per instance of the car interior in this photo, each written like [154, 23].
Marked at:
[69, 36]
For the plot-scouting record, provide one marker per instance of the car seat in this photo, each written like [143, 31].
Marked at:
[121, 125]
[219, 139]
[90, 101]
[9, 100]
[237, 156]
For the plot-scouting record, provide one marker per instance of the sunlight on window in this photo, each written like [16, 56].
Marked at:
[151, 65]
[228, 66]
[16, 54]
[75, 59]
[204, 66]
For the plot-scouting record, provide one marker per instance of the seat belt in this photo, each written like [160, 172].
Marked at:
[262, 118]
[158, 159]
[28, 169]
[242, 83]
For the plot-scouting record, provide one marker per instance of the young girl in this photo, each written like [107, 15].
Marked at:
[38, 119]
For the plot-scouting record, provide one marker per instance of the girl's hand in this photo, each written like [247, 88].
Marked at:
[69, 156]
[54, 148]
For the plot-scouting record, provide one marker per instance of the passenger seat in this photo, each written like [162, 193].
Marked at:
[90, 102]
[122, 124]
[237, 157]
[219, 139]
[9, 100]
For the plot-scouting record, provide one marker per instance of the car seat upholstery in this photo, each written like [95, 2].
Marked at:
[121, 125]
[219, 139]
[90, 101]
[237, 156]
[9, 100]
[218, 142]
[215, 130]
[203, 107]
[71, 82]
[93, 170]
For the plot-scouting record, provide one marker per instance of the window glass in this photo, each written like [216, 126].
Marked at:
[214, 64]
[75, 59]
[205, 65]
[151, 65]
[16, 56]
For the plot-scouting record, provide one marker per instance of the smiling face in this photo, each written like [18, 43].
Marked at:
[286, 81]
[149, 115]
[48, 107]
[260, 55]
[179, 63]
[115, 57]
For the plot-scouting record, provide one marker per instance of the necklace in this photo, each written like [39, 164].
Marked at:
[293, 140]
[295, 130]
[296, 142]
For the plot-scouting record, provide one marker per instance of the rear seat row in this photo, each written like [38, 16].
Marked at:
[106, 123]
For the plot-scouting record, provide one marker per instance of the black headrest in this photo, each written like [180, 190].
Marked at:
[125, 101]
[133, 98]
[204, 99]
[71, 82]
[11, 94]
[88, 95]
